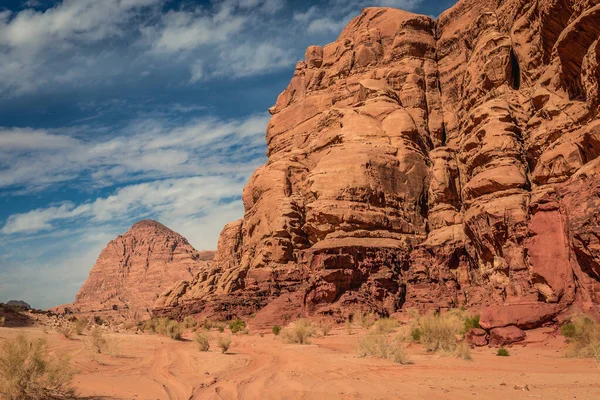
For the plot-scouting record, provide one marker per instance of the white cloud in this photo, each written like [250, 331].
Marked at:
[146, 149]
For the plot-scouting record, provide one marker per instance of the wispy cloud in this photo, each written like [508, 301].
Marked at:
[143, 150]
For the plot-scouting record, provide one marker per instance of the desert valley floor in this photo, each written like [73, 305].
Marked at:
[145, 366]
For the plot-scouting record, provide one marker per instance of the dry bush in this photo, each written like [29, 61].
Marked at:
[299, 332]
[349, 327]
[367, 320]
[220, 326]
[382, 346]
[203, 341]
[583, 335]
[206, 324]
[463, 350]
[27, 372]
[97, 340]
[385, 325]
[325, 327]
[224, 342]
[174, 330]
[439, 331]
[190, 322]
[65, 330]
[79, 326]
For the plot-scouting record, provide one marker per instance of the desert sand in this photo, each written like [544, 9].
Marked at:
[146, 366]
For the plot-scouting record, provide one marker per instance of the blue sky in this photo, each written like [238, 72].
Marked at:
[114, 111]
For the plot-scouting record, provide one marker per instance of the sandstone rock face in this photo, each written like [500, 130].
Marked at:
[134, 269]
[428, 164]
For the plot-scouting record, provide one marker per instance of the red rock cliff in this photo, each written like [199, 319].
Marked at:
[429, 164]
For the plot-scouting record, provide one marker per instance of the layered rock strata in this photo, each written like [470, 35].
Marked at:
[428, 164]
[134, 269]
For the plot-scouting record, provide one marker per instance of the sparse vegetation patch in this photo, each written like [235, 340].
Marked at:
[28, 372]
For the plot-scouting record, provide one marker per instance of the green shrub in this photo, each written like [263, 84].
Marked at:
[203, 341]
[189, 322]
[299, 333]
[471, 323]
[224, 342]
[276, 330]
[583, 335]
[174, 330]
[27, 372]
[382, 346]
[237, 325]
[502, 352]
[415, 334]
[568, 330]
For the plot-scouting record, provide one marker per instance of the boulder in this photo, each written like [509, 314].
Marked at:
[506, 335]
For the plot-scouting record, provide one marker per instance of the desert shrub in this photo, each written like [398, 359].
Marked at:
[583, 335]
[206, 324]
[415, 334]
[276, 330]
[2, 320]
[299, 333]
[438, 331]
[27, 372]
[325, 327]
[189, 322]
[224, 342]
[65, 330]
[203, 341]
[220, 326]
[174, 330]
[366, 320]
[382, 346]
[463, 350]
[98, 320]
[470, 323]
[97, 340]
[349, 327]
[502, 352]
[385, 325]
[568, 330]
[79, 326]
[237, 325]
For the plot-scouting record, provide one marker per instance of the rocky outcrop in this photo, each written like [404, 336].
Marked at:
[426, 164]
[134, 269]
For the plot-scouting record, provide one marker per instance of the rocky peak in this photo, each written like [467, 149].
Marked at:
[135, 267]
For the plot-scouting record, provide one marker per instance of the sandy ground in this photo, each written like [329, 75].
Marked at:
[156, 367]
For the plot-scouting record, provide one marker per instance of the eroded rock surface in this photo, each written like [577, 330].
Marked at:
[428, 164]
[134, 269]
